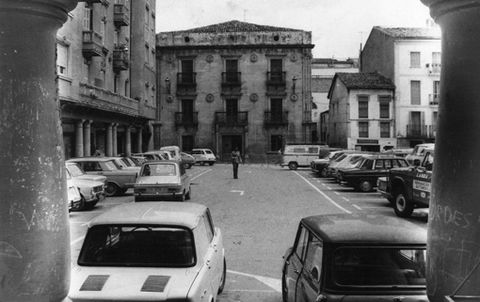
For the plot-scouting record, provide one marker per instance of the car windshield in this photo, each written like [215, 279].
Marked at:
[159, 170]
[379, 266]
[138, 246]
[75, 170]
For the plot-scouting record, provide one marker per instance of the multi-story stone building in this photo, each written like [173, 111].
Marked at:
[106, 77]
[361, 112]
[323, 71]
[410, 57]
[234, 84]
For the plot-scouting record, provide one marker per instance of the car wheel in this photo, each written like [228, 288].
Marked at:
[211, 163]
[365, 186]
[181, 197]
[224, 277]
[111, 189]
[202, 163]
[402, 206]
[324, 172]
[292, 166]
[188, 166]
[187, 197]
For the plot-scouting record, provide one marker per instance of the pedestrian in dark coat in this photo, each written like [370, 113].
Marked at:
[236, 160]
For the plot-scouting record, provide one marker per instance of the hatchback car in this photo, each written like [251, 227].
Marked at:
[204, 156]
[91, 191]
[384, 259]
[161, 251]
[161, 180]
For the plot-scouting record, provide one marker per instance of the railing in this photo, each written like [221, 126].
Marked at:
[92, 43]
[434, 68]
[231, 78]
[276, 78]
[121, 15]
[186, 78]
[103, 99]
[421, 131]
[186, 119]
[239, 118]
[272, 118]
[434, 98]
[120, 58]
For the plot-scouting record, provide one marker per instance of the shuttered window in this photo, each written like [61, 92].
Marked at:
[362, 106]
[415, 98]
[362, 129]
[414, 59]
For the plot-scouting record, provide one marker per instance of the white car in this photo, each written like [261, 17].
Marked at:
[91, 191]
[73, 195]
[204, 156]
[154, 251]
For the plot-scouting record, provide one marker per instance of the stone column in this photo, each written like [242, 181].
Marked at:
[114, 140]
[454, 217]
[151, 137]
[139, 139]
[34, 227]
[128, 141]
[109, 147]
[79, 139]
[86, 139]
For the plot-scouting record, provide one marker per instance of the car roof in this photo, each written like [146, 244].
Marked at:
[168, 161]
[359, 228]
[382, 156]
[185, 214]
[90, 158]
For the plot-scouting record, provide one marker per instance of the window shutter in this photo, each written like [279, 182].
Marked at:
[87, 13]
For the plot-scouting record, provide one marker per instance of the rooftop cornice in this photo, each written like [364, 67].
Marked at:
[442, 7]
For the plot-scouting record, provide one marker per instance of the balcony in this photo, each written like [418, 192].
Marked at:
[434, 68]
[184, 119]
[276, 119]
[186, 83]
[92, 44]
[121, 14]
[276, 83]
[121, 60]
[434, 98]
[231, 119]
[421, 131]
[231, 83]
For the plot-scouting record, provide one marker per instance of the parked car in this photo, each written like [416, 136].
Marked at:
[345, 161]
[149, 156]
[118, 180]
[204, 156]
[188, 160]
[160, 180]
[399, 152]
[418, 152]
[295, 156]
[122, 164]
[76, 171]
[73, 195]
[364, 174]
[320, 165]
[384, 259]
[156, 251]
[91, 191]
[174, 152]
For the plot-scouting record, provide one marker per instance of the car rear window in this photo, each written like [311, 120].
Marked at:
[138, 246]
[379, 266]
[159, 170]
[208, 152]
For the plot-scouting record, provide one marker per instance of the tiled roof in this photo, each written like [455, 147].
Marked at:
[365, 80]
[411, 32]
[236, 26]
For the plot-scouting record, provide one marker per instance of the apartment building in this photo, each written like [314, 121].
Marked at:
[410, 57]
[323, 71]
[361, 110]
[234, 84]
[106, 77]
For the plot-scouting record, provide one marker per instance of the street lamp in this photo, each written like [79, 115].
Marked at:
[294, 82]
[167, 84]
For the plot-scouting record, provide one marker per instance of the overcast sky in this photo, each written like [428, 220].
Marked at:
[338, 26]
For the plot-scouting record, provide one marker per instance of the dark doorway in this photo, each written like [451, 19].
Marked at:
[187, 111]
[276, 108]
[229, 142]
[187, 143]
[231, 108]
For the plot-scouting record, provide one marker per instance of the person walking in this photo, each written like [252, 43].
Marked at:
[236, 160]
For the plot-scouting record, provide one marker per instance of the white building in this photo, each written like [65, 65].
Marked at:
[361, 112]
[410, 57]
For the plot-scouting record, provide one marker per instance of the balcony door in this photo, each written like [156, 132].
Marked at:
[231, 71]
[231, 108]
[416, 123]
[187, 71]
[187, 111]
[276, 70]
[276, 109]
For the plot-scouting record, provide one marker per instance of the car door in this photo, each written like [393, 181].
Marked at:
[294, 263]
[216, 244]
[308, 285]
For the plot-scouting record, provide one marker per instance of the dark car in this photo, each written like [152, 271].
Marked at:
[364, 174]
[382, 260]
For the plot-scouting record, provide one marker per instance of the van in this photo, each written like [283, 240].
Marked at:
[295, 156]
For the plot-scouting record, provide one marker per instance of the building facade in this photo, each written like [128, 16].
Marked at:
[323, 71]
[361, 112]
[234, 84]
[411, 58]
[106, 77]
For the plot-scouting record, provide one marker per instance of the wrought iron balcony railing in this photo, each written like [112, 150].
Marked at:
[276, 118]
[231, 78]
[121, 59]
[186, 119]
[276, 78]
[434, 98]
